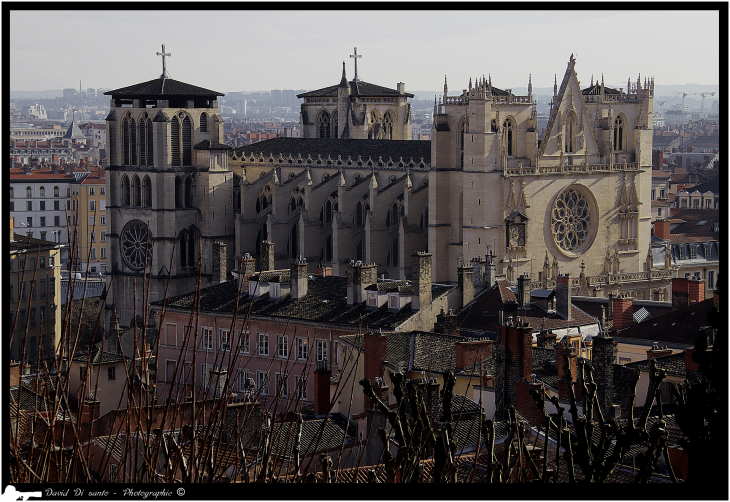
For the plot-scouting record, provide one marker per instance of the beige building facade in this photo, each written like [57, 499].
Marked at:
[575, 201]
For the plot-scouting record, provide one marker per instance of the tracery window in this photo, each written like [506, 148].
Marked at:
[136, 192]
[330, 205]
[619, 133]
[146, 192]
[570, 220]
[324, 124]
[395, 212]
[126, 199]
[508, 136]
[363, 206]
[388, 126]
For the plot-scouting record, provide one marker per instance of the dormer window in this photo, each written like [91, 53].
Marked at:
[394, 301]
[693, 251]
[372, 300]
[274, 291]
[708, 249]
[682, 252]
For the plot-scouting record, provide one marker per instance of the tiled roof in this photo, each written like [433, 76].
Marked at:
[73, 132]
[697, 222]
[358, 88]
[658, 173]
[27, 400]
[677, 326]
[592, 306]
[391, 286]
[482, 314]
[161, 87]
[596, 89]
[709, 186]
[314, 437]
[674, 364]
[377, 148]
[325, 301]
[20, 243]
[212, 145]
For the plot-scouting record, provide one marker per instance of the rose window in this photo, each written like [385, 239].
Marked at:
[136, 245]
[570, 220]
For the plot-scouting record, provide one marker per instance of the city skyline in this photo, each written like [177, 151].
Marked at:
[262, 50]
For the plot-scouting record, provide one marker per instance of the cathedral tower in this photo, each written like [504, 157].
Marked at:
[170, 191]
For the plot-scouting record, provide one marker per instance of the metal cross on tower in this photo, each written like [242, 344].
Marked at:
[355, 56]
[164, 68]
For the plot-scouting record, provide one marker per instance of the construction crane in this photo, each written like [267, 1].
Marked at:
[662, 102]
[684, 95]
[703, 94]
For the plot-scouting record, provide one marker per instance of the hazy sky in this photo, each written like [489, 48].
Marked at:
[303, 49]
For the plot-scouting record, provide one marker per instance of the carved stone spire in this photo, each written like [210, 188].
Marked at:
[446, 87]
[529, 88]
[343, 81]
[555, 87]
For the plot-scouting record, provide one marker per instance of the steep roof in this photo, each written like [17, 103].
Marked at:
[358, 88]
[376, 148]
[73, 132]
[161, 87]
[709, 186]
[679, 326]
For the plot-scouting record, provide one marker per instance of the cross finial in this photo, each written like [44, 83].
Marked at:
[356, 56]
[164, 68]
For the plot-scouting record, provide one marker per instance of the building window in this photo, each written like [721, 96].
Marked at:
[28, 192]
[102, 220]
[710, 279]
[42, 205]
[301, 348]
[43, 221]
[146, 192]
[692, 251]
[321, 350]
[372, 299]
[263, 344]
[29, 205]
[21, 264]
[624, 360]
[281, 386]
[509, 137]
[275, 291]
[92, 236]
[56, 221]
[11, 192]
[243, 381]
[324, 125]
[42, 288]
[91, 191]
[300, 388]
[206, 369]
[659, 213]
[244, 341]
[103, 236]
[29, 220]
[12, 206]
[393, 302]
[203, 122]
[262, 382]
[207, 338]
[618, 133]
[33, 312]
[112, 373]
[102, 190]
[282, 344]
[225, 335]
[93, 254]
[92, 205]
[56, 205]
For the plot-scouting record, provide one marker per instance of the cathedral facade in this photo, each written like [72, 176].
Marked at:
[576, 201]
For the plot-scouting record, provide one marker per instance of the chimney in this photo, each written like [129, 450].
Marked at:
[466, 284]
[565, 350]
[220, 259]
[623, 312]
[662, 229]
[247, 269]
[359, 277]
[299, 278]
[546, 339]
[421, 278]
[12, 229]
[686, 291]
[516, 365]
[658, 351]
[54, 159]
[490, 270]
[323, 271]
[472, 353]
[267, 256]
[563, 299]
[218, 378]
[603, 357]
[524, 288]
[90, 411]
[375, 347]
[446, 323]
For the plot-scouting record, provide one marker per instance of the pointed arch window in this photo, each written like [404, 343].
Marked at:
[146, 192]
[203, 122]
[143, 142]
[462, 132]
[187, 140]
[324, 125]
[376, 127]
[189, 192]
[148, 139]
[293, 244]
[175, 141]
[125, 141]
[395, 213]
[179, 195]
[619, 133]
[329, 206]
[335, 125]
[570, 132]
[363, 207]
[509, 137]
[392, 259]
[388, 126]
[126, 199]
[136, 192]
[132, 142]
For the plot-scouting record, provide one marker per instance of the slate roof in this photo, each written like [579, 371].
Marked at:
[482, 314]
[391, 286]
[325, 301]
[166, 87]
[99, 357]
[592, 306]
[313, 439]
[709, 186]
[596, 89]
[358, 88]
[74, 132]
[679, 326]
[375, 148]
[697, 223]
[27, 400]
[212, 145]
[674, 364]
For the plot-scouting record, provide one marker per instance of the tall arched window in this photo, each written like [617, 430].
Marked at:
[149, 149]
[376, 127]
[570, 130]
[183, 252]
[363, 206]
[462, 133]
[42, 191]
[395, 212]
[293, 244]
[392, 259]
[324, 124]
[388, 126]
[189, 192]
[28, 192]
[203, 122]
[136, 192]
[175, 141]
[619, 133]
[509, 137]
[328, 248]
[143, 142]
[125, 141]
[126, 199]
[11, 192]
[335, 125]
[55, 191]
[192, 242]
[179, 194]
[146, 192]
[133, 142]
[187, 140]
[330, 205]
